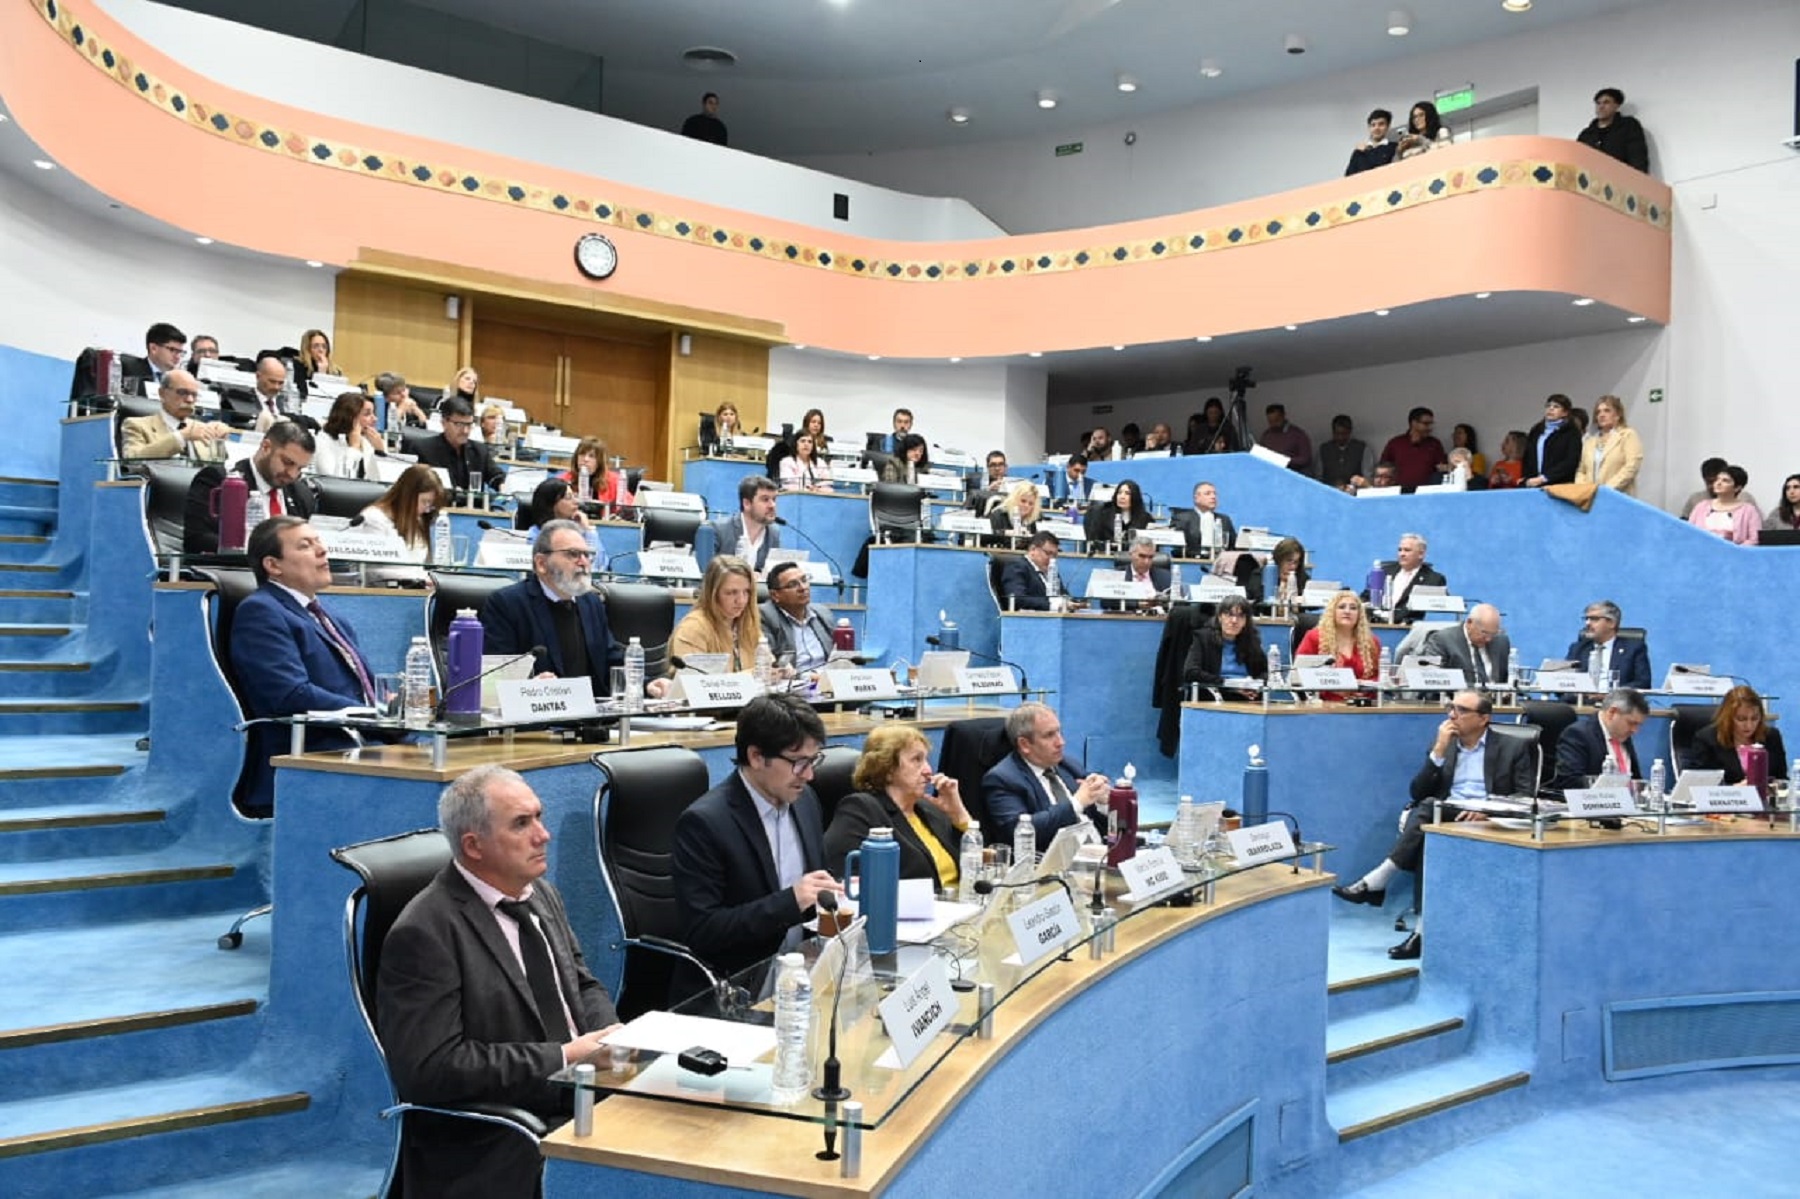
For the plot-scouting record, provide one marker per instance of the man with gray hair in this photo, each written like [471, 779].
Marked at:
[1478, 647]
[1408, 570]
[1589, 746]
[1035, 780]
[1601, 651]
[556, 612]
[483, 994]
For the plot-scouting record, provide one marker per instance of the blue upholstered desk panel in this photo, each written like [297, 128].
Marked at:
[1102, 667]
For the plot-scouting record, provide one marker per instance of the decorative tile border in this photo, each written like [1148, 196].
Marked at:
[241, 129]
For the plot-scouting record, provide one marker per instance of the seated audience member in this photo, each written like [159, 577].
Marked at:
[1722, 745]
[897, 788]
[1386, 475]
[315, 357]
[724, 619]
[1552, 447]
[1601, 649]
[1285, 437]
[1207, 432]
[1344, 637]
[909, 461]
[483, 994]
[1464, 763]
[1344, 461]
[1140, 566]
[290, 654]
[1425, 131]
[470, 465]
[903, 425]
[348, 445]
[1207, 529]
[993, 486]
[553, 499]
[1727, 514]
[1612, 454]
[1099, 444]
[1035, 779]
[1375, 150]
[705, 125]
[1478, 647]
[1709, 470]
[1620, 137]
[1463, 436]
[465, 385]
[751, 534]
[1586, 746]
[173, 432]
[401, 407]
[1017, 514]
[1226, 647]
[1418, 457]
[595, 482]
[1289, 557]
[1509, 471]
[725, 423]
[749, 857]
[408, 510]
[790, 623]
[164, 348]
[1408, 570]
[1160, 437]
[1119, 518]
[203, 347]
[805, 469]
[1131, 439]
[274, 470]
[271, 392]
[556, 608]
[1076, 487]
[814, 422]
[1462, 472]
[1031, 583]
[1786, 514]
[491, 430]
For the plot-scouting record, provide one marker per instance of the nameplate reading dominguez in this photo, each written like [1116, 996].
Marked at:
[718, 690]
[546, 699]
[1261, 843]
[1595, 803]
[985, 680]
[1726, 799]
[859, 684]
[1151, 872]
[919, 1009]
[1433, 678]
[1043, 927]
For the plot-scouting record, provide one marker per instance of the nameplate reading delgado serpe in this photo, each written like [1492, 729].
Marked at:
[718, 690]
[1151, 872]
[1726, 799]
[985, 680]
[1259, 843]
[359, 545]
[546, 699]
[1044, 926]
[860, 685]
[1599, 803]
[919, 1009]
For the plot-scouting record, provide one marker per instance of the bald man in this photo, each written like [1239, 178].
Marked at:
[173, 432]
[1478, 647]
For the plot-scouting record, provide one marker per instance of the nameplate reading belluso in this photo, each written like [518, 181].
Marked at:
[1259, 843]
[1044, 926]
[718, 690]
[1598, 803]
[919, 1009]
[985, 680]
[546, 699]
[1150, 873]
[859, 684]
[1726, 799]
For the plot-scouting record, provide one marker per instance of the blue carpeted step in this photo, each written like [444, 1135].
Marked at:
[38, 493]
[40, 605]
[1440, 1094]
[1380, 1043]
[51, 832]
[36, 642]
[18, 549]
[27, 520]
[140, 1047]
[299, 1178]
[163, 882]
[35, 717]
[48, 679]
[1393, 985]
[98, 766]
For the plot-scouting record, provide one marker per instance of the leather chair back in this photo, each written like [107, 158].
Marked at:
[831, 779]
[451, 592]
[1688, 720]
[345, 498]
[165, 502]
[894, 511]
[667, 526]
[971, 749]
[1552, 718]
[644, 611]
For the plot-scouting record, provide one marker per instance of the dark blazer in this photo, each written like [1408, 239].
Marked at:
[732, 908]
[1705, 753]
[1188, 521]
[459, 1025]
[1630, 657]
[779, 633]
[1207, 653]
[1427, 577]
[1377, 155]
[1507, 768]
[729, 533]
[1020, 582]
[1581, 752]
[285, 666]
[518, 617]
[1562, 453]
[860, 811]
[1012, 788]
[1001, 523]
[471, 468]
[1452, 645]
[200, 529]
[1098, 523]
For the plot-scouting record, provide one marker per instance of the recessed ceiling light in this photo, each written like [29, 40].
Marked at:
[1204, 337]
[314, 263]
[43, 165]
[1581, 303]
[1046, 100]
[1399, 23]
[1516, 5]
[1037, 353]
[1127, 83]
[1210, 68]
[205, 241]
[1290, 328]
[1482, 295]
[4, 118]
[874, 357]
[799, 347]
[1383, 311]
[956, 360]
[1636, 320]
[1116, 349]
[958, 116]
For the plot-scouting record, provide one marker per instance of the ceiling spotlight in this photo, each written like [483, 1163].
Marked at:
[1290, 328]
[314, 263]
[1482, 295]
[956, 360]
[1116, 349]
[1383, 311]
[1636, 320]
[1127, 83]
[1210, 68]
[205, 241]
[1581, 303]
[874, 357]
[1037, 354]
[1516, 5]
[958, 116]
[1203, 338]
[1046, 99]
[1296, 43]
[1399, 23]
[43, 164]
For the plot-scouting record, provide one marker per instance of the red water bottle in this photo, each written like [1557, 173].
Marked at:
[1756, 770]
[226, 504]
[1122, 804]
[843, 637]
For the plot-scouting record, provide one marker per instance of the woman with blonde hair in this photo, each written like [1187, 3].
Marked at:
[491, 428]
[897, 788]
[408, 510]
[315, 354]
[1017, 515]
[467, 384]
[1343, 635]
[724, 619]
[1613, 452]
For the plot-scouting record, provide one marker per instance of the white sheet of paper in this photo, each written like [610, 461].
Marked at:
[671, 1032]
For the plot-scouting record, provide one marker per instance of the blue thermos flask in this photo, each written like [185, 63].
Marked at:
[872, 879]
[1256, 789]
[462, 662]
[949, 636]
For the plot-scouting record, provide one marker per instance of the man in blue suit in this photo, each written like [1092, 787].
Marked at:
[1601, 648]
[557, 609]
[291, 655]
[1585, 747]
[1031, 583]
[751, 534]
[1035, 779]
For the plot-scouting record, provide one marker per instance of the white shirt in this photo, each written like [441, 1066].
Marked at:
[784, 835]
[1402, 580]
[509, 929]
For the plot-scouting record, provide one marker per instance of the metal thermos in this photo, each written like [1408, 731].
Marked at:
[1256, 789]
[462, 659]
[872, 879]
[1122, 803]
[226, 504]
[844, 635]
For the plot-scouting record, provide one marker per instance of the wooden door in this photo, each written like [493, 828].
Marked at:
[520, 364]
[615, 391]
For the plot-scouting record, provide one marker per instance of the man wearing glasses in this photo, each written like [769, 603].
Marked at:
[1464, 763]
[164, 348]
[791, 623]
[173, 433]
[468, 462]
[557, 609]
[1602, 652]
[750, 854]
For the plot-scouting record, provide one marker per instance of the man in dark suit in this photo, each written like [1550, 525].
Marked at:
[751, 534]
[1587, 746]
[274, 470]
[1030, 583]
[1552, 446]
[1076, 487]
[1208, 530]
[557, 609]
[483, 995]
[1035, 779]
[469, 463]
[1600, 649]
[1465, 762]
[1478, 647]
[1408, 570]
[903, 422]
[790, 622]
[291, 655]
[749, 856]
[164, 348]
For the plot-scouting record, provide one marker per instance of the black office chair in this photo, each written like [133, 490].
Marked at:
[669, 526]
[641, 794]
[896, 512]
[1631, 632]
[1304, 622]
[412, 437]
[1552, 718]
[876, 460]
[778, 453]
[831, 779]
[393, 870]
[451, 593]
[708, 436]
[971, 749]
[644, 611]
[1689, 719]
[1533, 736]
[634, 478]
[165, 502]
[345, 498]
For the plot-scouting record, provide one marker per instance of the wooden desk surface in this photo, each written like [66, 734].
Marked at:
[767, 1153]
[1577, 835]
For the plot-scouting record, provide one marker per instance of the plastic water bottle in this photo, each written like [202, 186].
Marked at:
[765, 663]
[1275, 677]
[115, 374]
[792, 1080]
[1180, 841]
[1512, 666]
[1024, 839]
[968, 865]
[634, 675]
[1381, 662]
[584, 485]
[1176, 591]
[443, 552]
[1653, 790]
[256, 509]
[419, 702]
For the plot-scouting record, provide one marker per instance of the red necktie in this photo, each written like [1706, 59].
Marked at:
[1619, 757]
[275, 502]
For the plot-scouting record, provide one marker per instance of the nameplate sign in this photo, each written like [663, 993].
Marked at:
[941, 482]
[986, 680]
[1118, 589]
[675, 501]
[1698, 684]
[1260, 843]
[546, 699]
[1257, 539]
[1173, 538]
[1043, 927]
[1566, 680]
[364, 545]
[1726, 799]
[919, 1009]
[856, 474]
[1327, 678]
[1596, 803]
[1212, 589]
[1150, 873]
[859, 684]
[1375, 492]
[501, 552]
[718, 690]
[965, 522]
[1432, 678]
[818, 573]
[1065, 530]
[668, 564]
[1434, 603]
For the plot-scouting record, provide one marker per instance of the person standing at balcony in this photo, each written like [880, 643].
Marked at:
[1376, 150]
[1288, 439]
[705, 125]
[1618, 136]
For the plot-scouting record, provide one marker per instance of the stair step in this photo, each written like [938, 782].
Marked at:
[43, 882]
[33, 630]
[68, 816]
[1387, 1041]
[1354, 1049]
[41, 668]
[50, 679]
[23, 539]
[34, 773]
[294, 1178]
[161, 882]
[51, 833]
[90, 756]
[46, 1125]
[20, 718]
[112, 1026]
[1351, 997]
[1405, 1096]
[32, 593]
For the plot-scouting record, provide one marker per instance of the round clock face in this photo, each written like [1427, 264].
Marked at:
[595, 256]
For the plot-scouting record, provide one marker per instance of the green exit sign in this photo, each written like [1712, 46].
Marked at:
[1068, 148]
[1449, 102]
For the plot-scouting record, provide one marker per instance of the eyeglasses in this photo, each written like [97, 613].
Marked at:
[185, 393]
[174, 347]
[799, 583]
[803, 765]
[1460, 710]
[576, 555]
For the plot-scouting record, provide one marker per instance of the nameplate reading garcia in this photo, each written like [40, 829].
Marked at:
[1044, 926]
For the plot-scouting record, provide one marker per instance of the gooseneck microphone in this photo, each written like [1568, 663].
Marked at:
[1024, 683]
[536, 651]
[831, 1088]
[729, 997]
[988, 886]
[840, 579]
[490, 527]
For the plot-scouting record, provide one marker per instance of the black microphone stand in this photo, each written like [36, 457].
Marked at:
[832, 1089]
